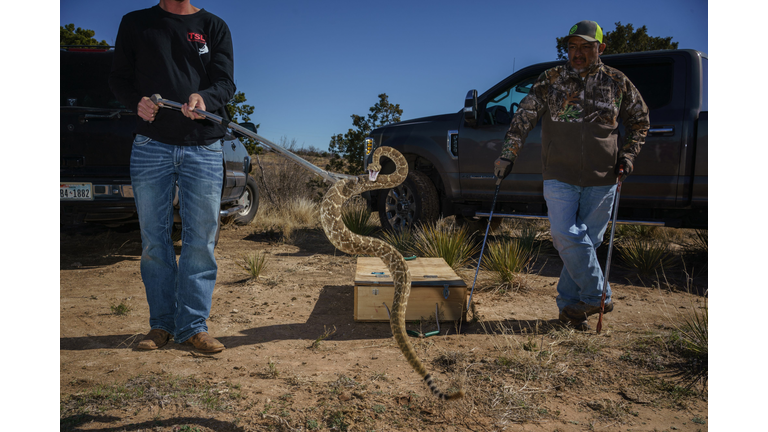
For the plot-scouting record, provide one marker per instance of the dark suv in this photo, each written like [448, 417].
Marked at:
[95, 144]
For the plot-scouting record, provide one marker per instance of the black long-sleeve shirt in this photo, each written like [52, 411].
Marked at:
[157, 52]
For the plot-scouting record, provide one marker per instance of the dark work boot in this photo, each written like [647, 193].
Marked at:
[580, 325]
[581, 311]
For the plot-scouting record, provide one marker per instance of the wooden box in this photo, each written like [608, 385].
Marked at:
[433, 282]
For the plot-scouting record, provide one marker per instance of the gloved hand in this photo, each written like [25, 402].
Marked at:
[626, 164]
[502, 167]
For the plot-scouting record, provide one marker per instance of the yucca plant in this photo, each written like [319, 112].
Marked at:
[701, 240]
[694, 334]
[402, 239]
[528, 235]
[697, 251]
[357, 218]
[635, 231]
[644, 256]
[507, 259]
[456, 246]
[255, 264]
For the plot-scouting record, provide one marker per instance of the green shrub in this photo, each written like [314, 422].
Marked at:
[644, 256]
[121, 309]
[635, 231]
[403, 240]
[507, 258]
[357, 218]
[255, 264]
[456, 246]
[701, 240]
[694, 334]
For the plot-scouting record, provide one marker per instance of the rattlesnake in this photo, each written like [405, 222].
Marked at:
[351, 243]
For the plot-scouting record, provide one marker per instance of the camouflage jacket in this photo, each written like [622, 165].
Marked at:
[579, 136]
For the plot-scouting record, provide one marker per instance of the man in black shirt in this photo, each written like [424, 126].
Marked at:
[182, 53]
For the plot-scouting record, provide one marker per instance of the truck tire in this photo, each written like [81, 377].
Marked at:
[413, 202]
[250, 199]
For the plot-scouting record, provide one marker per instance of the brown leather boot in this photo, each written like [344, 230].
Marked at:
[205, 343]
[156, 338]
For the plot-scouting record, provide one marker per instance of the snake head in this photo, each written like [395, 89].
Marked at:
[373, 171]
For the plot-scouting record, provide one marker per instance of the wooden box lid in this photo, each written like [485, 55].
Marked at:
[424, 272]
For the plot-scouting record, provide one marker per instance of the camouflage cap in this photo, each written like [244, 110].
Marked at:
[590, 31]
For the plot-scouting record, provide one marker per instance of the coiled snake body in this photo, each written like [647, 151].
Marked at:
[351, 243]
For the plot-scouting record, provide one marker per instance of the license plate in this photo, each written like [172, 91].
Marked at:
[76, 192]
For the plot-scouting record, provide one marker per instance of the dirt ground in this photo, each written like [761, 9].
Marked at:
[297, 360]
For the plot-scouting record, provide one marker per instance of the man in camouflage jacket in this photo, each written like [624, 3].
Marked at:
[580, 104]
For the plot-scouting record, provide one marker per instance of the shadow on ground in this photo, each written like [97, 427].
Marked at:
[333, 309]
[73, 423]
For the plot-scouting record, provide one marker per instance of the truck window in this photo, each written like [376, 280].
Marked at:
[503, 105]
[653, 81]
[83, 78]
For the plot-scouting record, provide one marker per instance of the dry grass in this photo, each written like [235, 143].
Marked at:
[286, 224]
[327, 333]
[282, 181]
[146, 390]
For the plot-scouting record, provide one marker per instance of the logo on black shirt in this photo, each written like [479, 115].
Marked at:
[198, 39]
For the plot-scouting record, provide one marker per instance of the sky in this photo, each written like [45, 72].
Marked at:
[307, 66]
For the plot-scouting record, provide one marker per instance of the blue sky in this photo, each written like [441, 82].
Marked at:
[307, 66]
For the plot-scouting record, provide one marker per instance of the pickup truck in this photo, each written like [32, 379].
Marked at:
[95, 150]
[450, 157]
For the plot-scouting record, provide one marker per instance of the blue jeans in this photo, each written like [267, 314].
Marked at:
[578, 218]
[179, 295]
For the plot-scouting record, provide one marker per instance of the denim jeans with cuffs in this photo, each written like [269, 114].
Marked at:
[578, 218]
[179, 294]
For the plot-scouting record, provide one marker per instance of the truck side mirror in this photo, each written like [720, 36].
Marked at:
[246, 125]
[470, 108]
[250, 126]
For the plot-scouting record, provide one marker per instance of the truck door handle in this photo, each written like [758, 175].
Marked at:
[661, 129]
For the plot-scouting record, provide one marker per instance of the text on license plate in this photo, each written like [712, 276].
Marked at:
[75, 191]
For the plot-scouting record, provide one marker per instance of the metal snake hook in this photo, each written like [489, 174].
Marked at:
[485, 238]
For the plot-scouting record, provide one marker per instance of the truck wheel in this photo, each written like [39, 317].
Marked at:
[412, 202]
[249, 199]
